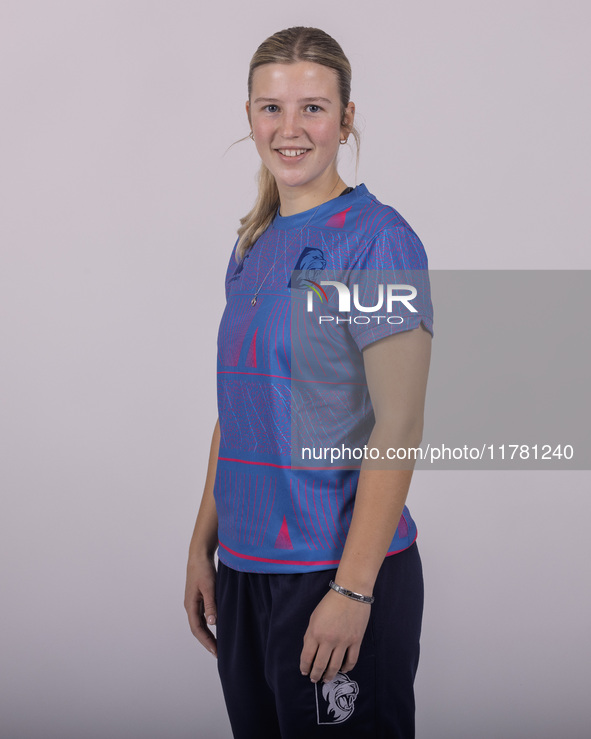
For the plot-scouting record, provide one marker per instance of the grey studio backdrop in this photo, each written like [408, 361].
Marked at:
[119, 211]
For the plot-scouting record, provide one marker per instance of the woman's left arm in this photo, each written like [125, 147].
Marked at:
[396, 369]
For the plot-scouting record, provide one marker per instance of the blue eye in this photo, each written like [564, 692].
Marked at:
[267, 108]
[317, 108]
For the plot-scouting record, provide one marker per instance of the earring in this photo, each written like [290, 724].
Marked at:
[251, 135]
[342, 141]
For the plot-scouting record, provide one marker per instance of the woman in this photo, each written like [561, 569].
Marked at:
[319, 593]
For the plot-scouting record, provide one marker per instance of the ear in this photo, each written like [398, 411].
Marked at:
[348, 118]
[248, 112]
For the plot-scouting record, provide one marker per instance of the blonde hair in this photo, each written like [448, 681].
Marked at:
[287, 47]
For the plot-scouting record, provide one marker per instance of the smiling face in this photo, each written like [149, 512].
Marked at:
[295, 114]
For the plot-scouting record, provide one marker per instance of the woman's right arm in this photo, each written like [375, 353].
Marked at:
[200, 586]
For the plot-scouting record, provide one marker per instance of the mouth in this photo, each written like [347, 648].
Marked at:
[292, 154]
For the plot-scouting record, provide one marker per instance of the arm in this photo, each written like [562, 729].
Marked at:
[200, 584]
[396, 368]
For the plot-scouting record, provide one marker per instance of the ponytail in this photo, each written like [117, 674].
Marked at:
[256, 221]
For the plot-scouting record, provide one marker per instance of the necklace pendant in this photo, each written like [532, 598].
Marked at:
[254, 300]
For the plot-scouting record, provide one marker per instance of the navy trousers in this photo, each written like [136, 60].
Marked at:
[262, 619]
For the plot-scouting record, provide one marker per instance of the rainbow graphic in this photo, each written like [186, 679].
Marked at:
[317, 289]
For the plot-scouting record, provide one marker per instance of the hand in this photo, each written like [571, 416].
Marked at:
[200, 600]
[333, 637]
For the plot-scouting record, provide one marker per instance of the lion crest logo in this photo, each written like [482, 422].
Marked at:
[335, 700]
[310, 264]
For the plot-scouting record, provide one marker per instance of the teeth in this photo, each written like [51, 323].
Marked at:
[292, 152]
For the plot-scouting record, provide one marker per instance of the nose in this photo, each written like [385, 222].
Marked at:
[290, 124]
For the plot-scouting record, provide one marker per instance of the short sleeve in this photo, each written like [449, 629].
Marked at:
[233, 270]
[389, 287]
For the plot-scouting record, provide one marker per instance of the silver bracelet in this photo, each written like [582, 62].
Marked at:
[350, 594]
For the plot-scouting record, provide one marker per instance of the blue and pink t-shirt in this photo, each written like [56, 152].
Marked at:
[279, 373]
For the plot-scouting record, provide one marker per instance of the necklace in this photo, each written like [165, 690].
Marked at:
[257, 291]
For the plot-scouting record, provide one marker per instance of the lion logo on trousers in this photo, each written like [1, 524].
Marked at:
[335, 700]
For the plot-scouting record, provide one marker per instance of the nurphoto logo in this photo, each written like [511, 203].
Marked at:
[390, 296]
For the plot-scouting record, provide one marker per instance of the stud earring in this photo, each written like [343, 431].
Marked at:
[342, 141]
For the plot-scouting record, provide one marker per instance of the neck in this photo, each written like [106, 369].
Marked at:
[298, 199]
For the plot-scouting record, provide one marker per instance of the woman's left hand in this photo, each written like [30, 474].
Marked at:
[333, 637]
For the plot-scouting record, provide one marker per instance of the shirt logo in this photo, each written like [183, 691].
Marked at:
[238, 271]
[310, 264]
